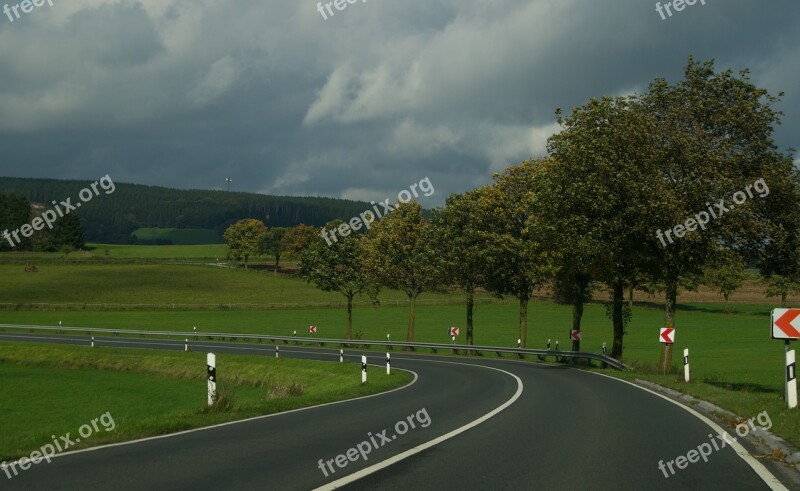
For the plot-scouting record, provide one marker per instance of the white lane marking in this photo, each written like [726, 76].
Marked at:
[408, 453]
[770, 480]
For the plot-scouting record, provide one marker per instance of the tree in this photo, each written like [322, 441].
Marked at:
[274, 244]
[781, 286]
[462, 248]
[516, 259]
[725, 274]
[399, 254]
[15, 211]
[299, 238]
[715, 133]
[602, 168]
[337, 268]
[244, 238]
[564, 224]
[68, 233]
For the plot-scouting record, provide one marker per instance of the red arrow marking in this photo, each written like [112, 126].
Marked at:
[666, 333]
[784, 323]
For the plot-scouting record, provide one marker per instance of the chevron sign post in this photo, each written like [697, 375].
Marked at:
[453, 331]
[575, 336]
[667, 338]
[786, 326]
[312, 330]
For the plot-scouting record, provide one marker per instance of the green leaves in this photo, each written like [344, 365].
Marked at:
[244, 238]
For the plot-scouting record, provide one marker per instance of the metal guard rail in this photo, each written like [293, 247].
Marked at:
[613, 362]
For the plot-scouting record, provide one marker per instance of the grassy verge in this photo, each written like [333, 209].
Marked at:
[53, 390]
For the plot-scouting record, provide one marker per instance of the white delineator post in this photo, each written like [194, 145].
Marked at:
[791, 380]
[363, 369]
[277, 352]
[519, 343]
[686, 364]
[186, 345]
[211, 361]
[92, 341]
[388, 364]
[341, 356]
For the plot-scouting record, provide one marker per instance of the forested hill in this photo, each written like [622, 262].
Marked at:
[112, 217]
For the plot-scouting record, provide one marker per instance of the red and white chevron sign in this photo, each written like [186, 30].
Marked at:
[575, 334]
[785, 324]
[453, 331]
[667, 335]
[312, 329]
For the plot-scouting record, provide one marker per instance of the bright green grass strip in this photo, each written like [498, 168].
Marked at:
[52, 390]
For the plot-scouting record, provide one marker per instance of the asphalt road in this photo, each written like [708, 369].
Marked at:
[491, 424]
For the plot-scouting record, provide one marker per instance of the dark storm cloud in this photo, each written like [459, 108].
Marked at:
[185, 93]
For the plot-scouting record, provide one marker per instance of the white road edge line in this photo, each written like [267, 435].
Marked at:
[419, 448]
[773, 482]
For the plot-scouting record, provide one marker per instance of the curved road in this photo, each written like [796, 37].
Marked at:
[543, 427]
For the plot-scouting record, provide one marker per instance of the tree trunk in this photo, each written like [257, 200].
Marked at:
[581, 284]
[470, 305]
[412, 300]
[630, 297]
[672, 298]
[523, 320]
[349, 327]
[275, 272]
[618, 300]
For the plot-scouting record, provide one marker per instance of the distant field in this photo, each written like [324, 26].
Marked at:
[162, 284]
[124, 252]
[179, 236]
[201, 251]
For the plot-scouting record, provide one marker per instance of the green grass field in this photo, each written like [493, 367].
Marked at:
[734, 362]
[53, 390]
[179, 236]
[165, 284]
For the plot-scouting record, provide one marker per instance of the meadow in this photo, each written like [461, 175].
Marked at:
[735, 363]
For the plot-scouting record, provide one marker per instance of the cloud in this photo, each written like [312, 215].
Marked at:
[185, 93]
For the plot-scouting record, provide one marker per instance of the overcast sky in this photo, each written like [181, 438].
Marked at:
[185, 93]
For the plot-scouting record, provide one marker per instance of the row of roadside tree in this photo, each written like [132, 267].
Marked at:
[588, 214]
